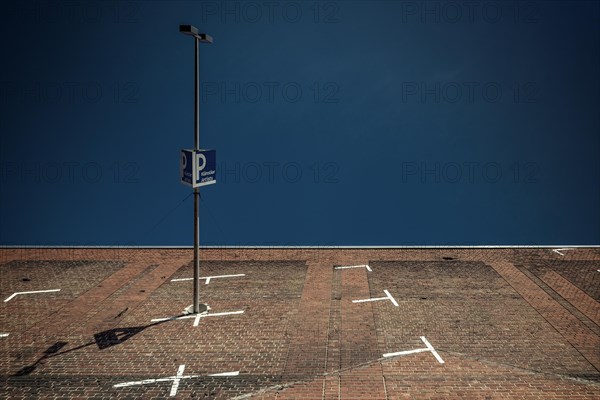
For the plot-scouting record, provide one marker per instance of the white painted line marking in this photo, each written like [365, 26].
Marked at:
[223, 313]
[172, 318]
[146, 381]
[388, 296]
[356, 266]
[175, 384]
[197, 317]
[9, 298]
[4, 334]
[197, 320]
[403, 353]
[391, 298]
[208, 278]
[232, 373]
[373, 299]
[558, 251]
[176, 379]
[429, 348]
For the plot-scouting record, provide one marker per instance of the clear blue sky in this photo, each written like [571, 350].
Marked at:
[335, 123]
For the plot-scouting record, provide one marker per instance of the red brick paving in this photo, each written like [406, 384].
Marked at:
[576, 333]
[80, 306]
[358, 337]
[577, 297]
[300, 337]
[308, 333]
[581, 273]
[134, 295]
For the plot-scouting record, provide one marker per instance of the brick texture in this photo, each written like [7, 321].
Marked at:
[508, 323]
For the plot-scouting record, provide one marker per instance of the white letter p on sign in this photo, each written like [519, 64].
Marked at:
[183, 163]
[201, 161]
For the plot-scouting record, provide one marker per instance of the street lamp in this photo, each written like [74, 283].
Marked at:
[193, 31]
[198, 38]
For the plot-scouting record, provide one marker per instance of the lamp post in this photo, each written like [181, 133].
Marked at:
[198, 38]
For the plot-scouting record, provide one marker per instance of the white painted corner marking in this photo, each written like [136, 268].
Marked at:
[388, 296]
[355, 266]
[429, 348]
[175, 379]
[9, 298]
[207, 278]
[197, 317]
[175, 384]
[558, 251]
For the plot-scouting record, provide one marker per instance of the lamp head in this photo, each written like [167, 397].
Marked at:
[193, 31]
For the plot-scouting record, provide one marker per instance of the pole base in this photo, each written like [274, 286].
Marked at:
[202, 309]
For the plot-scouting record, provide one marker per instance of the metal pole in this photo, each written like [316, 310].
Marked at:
[196, 190]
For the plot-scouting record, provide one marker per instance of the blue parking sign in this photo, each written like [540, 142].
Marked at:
[198, 167]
